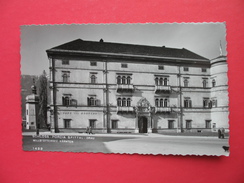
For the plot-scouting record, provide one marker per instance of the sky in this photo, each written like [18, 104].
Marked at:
[204, 39]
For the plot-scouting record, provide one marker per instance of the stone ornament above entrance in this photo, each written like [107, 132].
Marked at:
[143, 102]
[143, 105]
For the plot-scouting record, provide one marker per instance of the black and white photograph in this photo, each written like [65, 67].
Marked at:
[155, 88]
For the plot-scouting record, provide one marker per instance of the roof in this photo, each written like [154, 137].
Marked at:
[80, 45]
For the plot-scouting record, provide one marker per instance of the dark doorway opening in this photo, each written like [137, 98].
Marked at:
[142, 124]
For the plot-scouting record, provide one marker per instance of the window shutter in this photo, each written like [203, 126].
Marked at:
[190, 104]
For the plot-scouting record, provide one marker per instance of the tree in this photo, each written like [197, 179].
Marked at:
[42, 88]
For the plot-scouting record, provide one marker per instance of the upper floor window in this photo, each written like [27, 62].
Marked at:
[186, 69]
[213, 83]
[93, 63]
[124, 79]
[124, 102]
[68, 101]
[65, 62]
[65, 75]
[160, 102]
[207, 103]
[161, 81]
[187, 102]
[93, 79]
[124, 65]
[214, 102]
[204, 70]
[91, 101]
[186, 82]
[160, 67]
[204, 82]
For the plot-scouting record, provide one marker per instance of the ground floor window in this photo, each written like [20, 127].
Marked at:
[67, 123]
[171, 124]
[188, 124]
[208, 124]
[92, 123]
[114, 124]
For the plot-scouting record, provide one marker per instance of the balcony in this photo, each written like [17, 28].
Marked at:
[163, 110]
[125, 88]
[125, 109]
[162, 89]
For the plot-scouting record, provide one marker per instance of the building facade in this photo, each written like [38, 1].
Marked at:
[123, 88]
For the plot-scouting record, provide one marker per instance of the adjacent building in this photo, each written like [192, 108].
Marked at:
[125, 88]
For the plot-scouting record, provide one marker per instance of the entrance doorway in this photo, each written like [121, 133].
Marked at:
[142, 125]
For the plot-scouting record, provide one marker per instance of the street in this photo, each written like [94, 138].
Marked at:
[126, 143]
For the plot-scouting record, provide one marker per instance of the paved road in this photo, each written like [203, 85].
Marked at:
[158, 144]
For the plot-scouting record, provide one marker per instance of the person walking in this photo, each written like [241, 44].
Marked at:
[219, 133]
[222, 133]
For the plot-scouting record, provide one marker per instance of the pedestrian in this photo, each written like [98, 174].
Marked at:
[87, 129]
[223, 133]
[90, 130]
[219, 133]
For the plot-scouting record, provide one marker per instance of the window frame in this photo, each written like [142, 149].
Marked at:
[188, 124]
[204, 69]
[67, 123]
[93, 63]
[208, 124]
[123, 65]
[160, 67]
[171, 124]
[114, 124]
[65, 62]
[186, 69]
[92, 123]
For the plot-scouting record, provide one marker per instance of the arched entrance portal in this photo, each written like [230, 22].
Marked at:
[142, 124]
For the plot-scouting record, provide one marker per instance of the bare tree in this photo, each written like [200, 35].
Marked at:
[42, 88]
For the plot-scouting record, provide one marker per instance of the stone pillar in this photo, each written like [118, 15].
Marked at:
[136, 124]
[149, 129]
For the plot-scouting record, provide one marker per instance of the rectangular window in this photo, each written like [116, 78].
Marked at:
[207, 103]
[65, 75]
[208, 124]
[66, 99]
[186, 68]
[171, 124]
[188, 124]
[204, 70]
[91, 101]
[65, 62]
[93, 63]
[186, 82]
[114, 124]
[67, 123]
[160, 67]
[27, 112]
[124, 65]
[73, 102]
[92, 123]
[187, 103]
[214, 102]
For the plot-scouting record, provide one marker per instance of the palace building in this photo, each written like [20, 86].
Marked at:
[125, 88]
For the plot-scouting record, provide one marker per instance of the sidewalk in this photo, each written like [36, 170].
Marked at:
[84, 134]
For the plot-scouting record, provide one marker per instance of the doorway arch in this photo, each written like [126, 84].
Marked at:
[143, 124]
